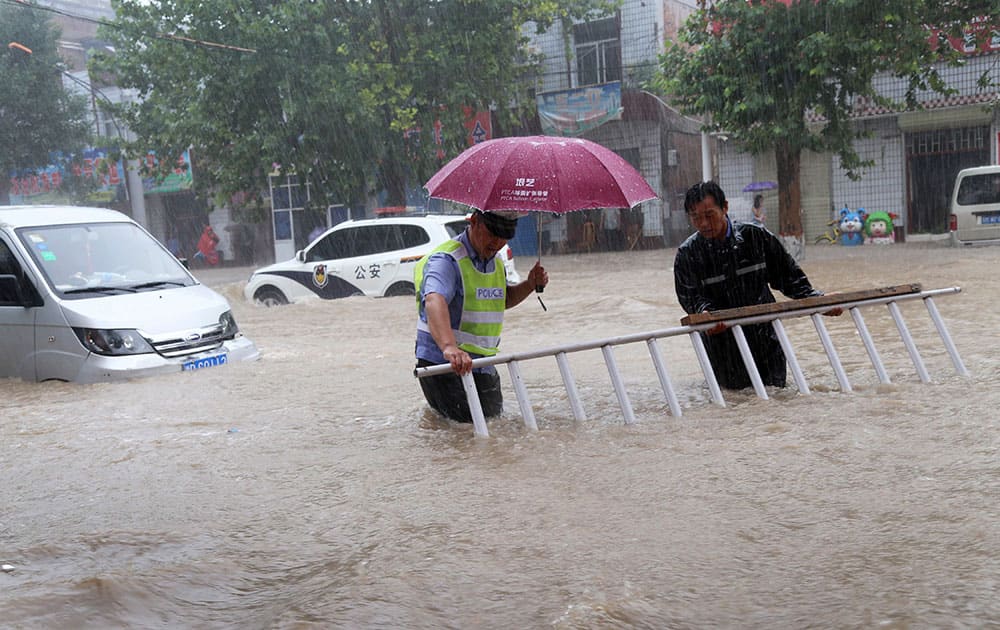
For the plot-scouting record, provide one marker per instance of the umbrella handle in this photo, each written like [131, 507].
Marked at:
[539, 287]
[538, 230]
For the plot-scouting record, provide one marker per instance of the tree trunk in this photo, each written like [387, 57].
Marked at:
[566, 22]
[788, 160]
[395, 185]
[394, 179]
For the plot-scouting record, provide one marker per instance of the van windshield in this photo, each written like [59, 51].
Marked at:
[101, 259]
[979, 189]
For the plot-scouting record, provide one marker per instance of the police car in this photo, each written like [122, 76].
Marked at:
[374, 257]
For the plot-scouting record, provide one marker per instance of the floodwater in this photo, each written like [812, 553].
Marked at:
[315, 489]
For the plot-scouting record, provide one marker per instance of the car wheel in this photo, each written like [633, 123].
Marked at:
[269, 296]
[400, 288]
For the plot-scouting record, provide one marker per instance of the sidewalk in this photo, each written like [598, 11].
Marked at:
[220, 276]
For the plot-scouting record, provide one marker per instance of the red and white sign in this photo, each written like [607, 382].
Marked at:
[478, 125]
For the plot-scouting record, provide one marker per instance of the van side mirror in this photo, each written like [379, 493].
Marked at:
[300, 255]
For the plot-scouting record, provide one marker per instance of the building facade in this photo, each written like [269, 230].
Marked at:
[168, 208]
[916, 154]
[615, 55]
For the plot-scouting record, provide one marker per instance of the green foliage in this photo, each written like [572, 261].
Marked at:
[785, 75]
[37, 115]
[330, 91]
[790, 75]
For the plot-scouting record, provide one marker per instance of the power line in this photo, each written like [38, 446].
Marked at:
[93, 90]
[210, 44]
[89, 86]
[164, 36]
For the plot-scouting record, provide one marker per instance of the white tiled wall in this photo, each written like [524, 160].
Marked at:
[881, 187]
[644, 136]
[642, 37]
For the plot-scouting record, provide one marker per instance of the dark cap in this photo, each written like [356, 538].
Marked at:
[499, 225]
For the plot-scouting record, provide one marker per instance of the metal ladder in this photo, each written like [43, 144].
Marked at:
[808, 307]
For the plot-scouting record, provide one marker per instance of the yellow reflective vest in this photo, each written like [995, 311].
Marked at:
[485, 298]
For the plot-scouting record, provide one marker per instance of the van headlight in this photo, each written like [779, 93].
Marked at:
[115, 342]
[228, 323]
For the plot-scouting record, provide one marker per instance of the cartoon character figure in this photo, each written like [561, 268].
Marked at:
[852, 226]
[879, 229]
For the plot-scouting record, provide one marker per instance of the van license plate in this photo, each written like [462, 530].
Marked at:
[990, 219]
[198, 364]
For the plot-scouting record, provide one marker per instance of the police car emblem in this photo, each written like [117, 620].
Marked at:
[319, 276]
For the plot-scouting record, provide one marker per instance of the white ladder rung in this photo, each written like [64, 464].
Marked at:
[571, 393]
[748, 362]
[706, 369]
[831, 352]
[475, 407]
[793, 362]
[661, 373]
[522, 396]
[618, 383]
[945, 337]
[911, 347]
[866, 338]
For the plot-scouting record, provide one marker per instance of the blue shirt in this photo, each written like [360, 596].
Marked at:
[441, 275]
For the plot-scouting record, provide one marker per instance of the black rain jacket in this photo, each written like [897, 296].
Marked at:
[741, 270]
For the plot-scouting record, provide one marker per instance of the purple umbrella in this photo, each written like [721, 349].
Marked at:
[759, 186]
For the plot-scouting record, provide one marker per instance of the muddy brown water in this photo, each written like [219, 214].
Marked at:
[315, 489]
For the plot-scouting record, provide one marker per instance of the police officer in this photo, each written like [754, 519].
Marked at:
[462, 293]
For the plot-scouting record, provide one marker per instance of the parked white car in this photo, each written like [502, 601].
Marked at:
[975, 206]
[87, 295]
[373, 257]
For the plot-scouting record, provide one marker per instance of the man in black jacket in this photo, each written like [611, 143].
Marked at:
[728, 265]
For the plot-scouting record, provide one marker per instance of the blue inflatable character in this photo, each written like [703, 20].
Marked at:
[852, 225]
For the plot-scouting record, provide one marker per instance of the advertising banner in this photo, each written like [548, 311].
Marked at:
[575, 112]
[101, 176]
[178, 179]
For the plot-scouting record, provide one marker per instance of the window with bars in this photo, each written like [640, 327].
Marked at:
[288, 193]
[946, 140]
[598, 51]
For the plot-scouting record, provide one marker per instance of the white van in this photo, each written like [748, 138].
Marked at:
[975, 206]
[87, 295]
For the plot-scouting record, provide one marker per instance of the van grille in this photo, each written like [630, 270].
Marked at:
[189, 342]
